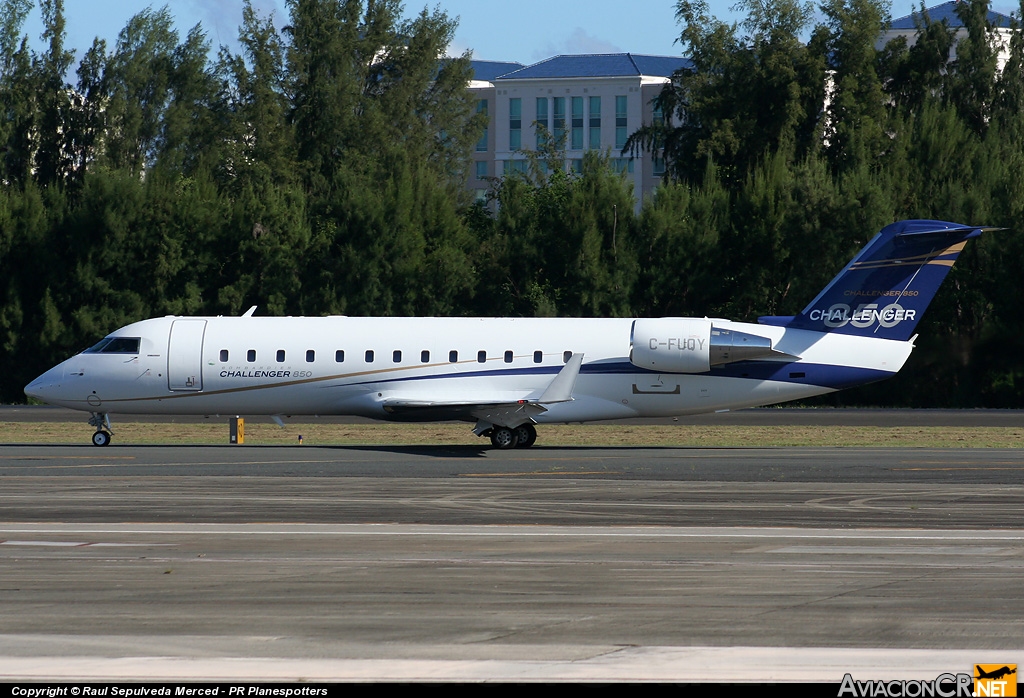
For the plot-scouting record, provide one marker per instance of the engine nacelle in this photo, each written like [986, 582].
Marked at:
[691, 345]
[672, 345]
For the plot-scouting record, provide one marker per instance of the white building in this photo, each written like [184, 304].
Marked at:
[946, 12]
[593, 102]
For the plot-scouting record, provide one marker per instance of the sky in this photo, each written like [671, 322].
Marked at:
[525, 31]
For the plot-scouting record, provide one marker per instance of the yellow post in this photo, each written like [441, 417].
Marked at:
[237, 430]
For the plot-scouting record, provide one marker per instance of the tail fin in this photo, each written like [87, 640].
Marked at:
[884, 290]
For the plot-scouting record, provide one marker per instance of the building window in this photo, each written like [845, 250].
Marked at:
[481, 108]
[453, 356]
[369, 356]
[576, 137]
[481, 356]
[280, 356]
[659, 166]
[576, 166]
[543, 125]
[310, 356]
[515, 123]
[396, 356]
[508, 357]
[621, 165]
[424, 357]
[511, 166]
[223, 355]
[250, 355]
[339, 356]
[559, 121]
[595, 123]
[621, 106]
[481, 169]
[659, 115]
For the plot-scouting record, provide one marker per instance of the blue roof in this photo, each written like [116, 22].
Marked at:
[946, 12]
[600, 66]
[488, 70]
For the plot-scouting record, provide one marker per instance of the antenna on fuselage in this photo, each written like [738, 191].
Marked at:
[249, 312]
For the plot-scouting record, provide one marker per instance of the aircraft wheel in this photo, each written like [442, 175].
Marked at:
[503, 437]
[101, 438]
[526, 435]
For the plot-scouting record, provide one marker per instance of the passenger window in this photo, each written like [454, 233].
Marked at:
[453, 356]
[481, 356]
[310, 356]
[566, 355]
[280, 356]
[424, 356]
[538, 356]
[396, 356]
[223, 356]
[369, 356]
[339, 356]
[508, 357]
[250, 355]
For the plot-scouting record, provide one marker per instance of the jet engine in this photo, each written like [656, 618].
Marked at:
[691, 345]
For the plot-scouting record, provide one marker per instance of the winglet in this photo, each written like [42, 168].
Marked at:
[561, 387]
[249, 312]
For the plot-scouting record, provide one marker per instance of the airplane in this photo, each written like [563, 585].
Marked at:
[994, 674]
[507, 375]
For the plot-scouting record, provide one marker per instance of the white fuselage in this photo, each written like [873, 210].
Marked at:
[323, 365]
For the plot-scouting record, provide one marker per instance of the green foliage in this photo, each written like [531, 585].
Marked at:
[680, 272]
[560, 244]
[746, 94]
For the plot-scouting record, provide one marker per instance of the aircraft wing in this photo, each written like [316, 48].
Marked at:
[508, 413]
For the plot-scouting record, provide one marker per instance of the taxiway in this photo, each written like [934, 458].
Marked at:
[553, 563]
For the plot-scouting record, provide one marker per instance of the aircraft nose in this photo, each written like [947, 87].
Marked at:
[46, 386]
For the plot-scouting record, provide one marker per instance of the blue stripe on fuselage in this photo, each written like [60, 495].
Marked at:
[823, 375]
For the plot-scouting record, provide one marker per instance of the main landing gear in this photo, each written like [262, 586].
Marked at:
[103, 430]
[523, 436]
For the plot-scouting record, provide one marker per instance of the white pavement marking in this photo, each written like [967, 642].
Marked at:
[602, 663]
[504, 530]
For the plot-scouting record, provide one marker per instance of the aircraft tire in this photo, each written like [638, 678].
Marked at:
[526, 435]
[503, 437]
[101, 438]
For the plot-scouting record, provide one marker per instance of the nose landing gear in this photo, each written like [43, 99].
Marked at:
[103, 429]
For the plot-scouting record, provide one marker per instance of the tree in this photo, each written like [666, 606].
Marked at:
[744, 95]
[856, 114]
[52, 153]
[913, 75]
[17, 96]
[972, 79]
[138, 76]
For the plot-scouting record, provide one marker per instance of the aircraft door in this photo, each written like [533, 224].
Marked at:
[185, 355]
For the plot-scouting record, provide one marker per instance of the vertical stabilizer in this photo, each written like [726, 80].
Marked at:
[885, 289]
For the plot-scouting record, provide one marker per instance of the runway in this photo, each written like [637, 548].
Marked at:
[458, 563]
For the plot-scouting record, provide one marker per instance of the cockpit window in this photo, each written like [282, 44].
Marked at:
[115, 345]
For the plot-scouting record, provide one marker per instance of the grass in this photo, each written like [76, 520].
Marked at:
[260, 433]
